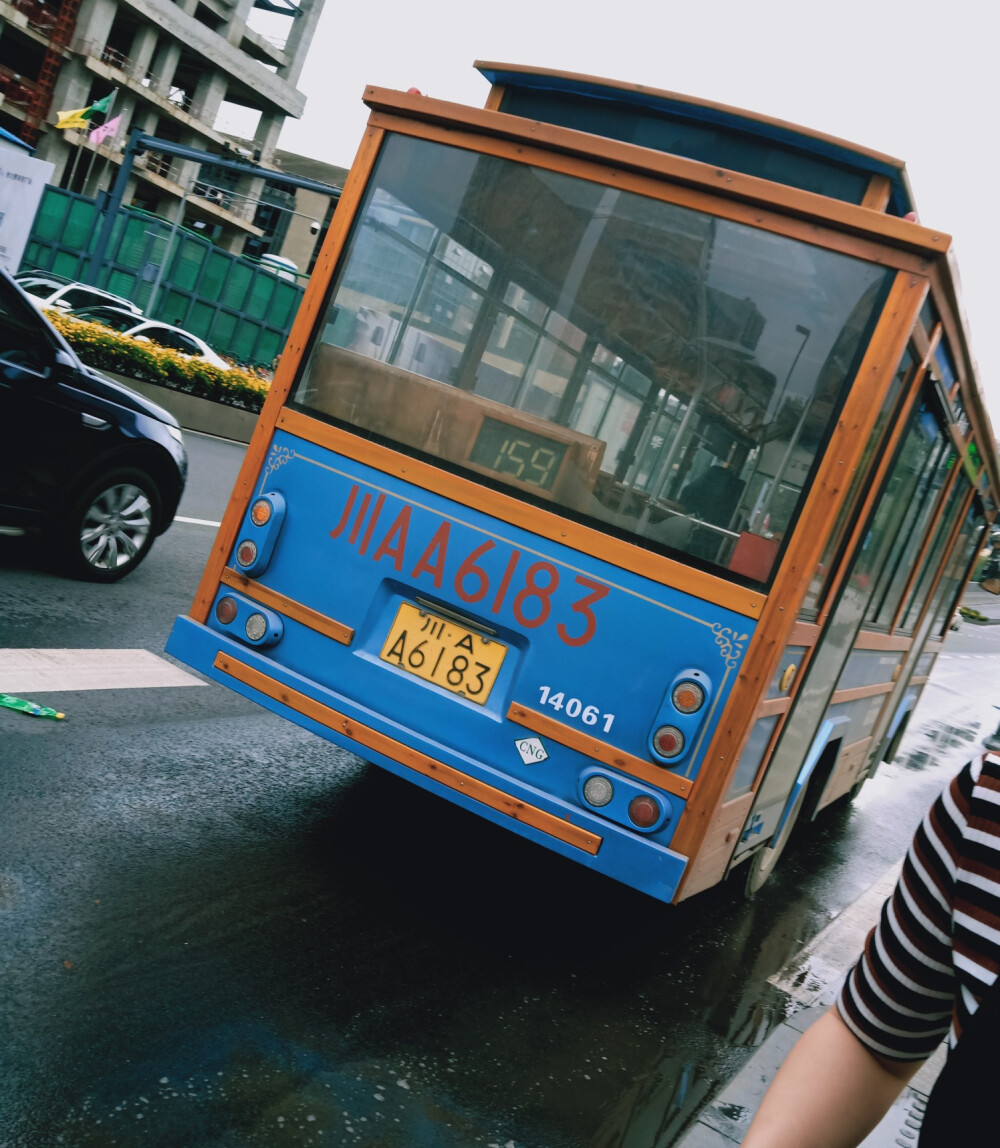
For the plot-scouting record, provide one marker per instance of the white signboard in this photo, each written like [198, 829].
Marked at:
[22, 181]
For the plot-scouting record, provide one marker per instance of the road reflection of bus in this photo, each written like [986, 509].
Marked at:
[620, 477]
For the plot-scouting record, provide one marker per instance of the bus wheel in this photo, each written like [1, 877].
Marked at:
[763, 862]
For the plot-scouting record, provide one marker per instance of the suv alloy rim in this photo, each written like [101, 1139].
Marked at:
[116, 526]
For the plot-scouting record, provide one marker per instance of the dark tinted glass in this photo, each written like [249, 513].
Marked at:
[684, 370]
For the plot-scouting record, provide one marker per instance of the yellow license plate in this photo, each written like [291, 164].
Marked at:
[438, 650]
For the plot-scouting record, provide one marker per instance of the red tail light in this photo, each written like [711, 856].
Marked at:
[669, 741]
[246, 552]
[644, 811]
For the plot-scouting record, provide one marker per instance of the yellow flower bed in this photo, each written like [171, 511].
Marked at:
[106, 349]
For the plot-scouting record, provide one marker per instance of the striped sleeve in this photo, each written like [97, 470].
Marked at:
[899, 998]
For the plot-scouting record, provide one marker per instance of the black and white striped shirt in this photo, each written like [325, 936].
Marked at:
[936, 949]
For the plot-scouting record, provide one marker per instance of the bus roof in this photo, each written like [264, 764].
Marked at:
[700, 130]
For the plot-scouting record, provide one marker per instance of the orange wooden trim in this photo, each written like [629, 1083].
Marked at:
[857, 693]
[878, 193]
[945, 278]
[900, 234]
[804, 634]
[845, 771]
[600, 751]
[919, 681]
[928, 540]
[710, 866]
[495, 97]
[544, 523]
[886, 454]
[419, 762]
[857, 746]
[771, 706]
[310, 307]
[949, 549]
[646, 173]
[959, 441]
[920, 344]
[840, 460]
[614, 86]
[933, 339]
[871, 640]
[288, 606]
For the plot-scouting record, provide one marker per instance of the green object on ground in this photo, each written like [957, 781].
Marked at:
[26, 707]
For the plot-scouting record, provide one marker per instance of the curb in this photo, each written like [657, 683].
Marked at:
[725, 1121]
[194, 413]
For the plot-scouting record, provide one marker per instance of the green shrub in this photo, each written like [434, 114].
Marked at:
[108, 350]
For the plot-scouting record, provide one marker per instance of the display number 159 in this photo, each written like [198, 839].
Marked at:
[574, 708]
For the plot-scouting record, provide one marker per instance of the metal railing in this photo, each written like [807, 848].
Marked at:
[15, 89]
[130, 69]
[40, 18]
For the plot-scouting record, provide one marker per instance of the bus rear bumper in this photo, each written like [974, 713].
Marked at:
[601, 845]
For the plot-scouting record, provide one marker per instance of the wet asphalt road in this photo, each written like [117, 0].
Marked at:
[216, 930]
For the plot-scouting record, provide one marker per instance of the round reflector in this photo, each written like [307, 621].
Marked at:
[597, 790]
[668, 741]
[260, 512]
[225, 610]
[688, 697]
[256, 627]
[644, 811]
[246, 552]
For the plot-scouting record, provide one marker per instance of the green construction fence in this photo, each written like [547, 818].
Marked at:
[239, 307]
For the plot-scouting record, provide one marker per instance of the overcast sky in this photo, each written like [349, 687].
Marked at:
[916, 81]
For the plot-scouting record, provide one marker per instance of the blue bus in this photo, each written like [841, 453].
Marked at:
[620, 478]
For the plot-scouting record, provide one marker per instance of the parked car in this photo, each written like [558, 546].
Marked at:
[282, 267]
[163, 334]
[97, 468]
[50, 290]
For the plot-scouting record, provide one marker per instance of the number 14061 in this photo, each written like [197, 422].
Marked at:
[574, 708]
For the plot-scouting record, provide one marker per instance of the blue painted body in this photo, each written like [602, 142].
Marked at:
[355, 543]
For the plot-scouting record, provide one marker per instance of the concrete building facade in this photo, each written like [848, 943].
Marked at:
[170, 67]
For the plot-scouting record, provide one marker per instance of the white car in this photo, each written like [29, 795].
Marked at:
[46, 289]
[153, 331]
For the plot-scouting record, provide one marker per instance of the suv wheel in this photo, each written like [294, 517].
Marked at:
[110, 528]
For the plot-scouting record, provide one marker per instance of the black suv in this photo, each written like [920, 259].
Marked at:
[95, 466]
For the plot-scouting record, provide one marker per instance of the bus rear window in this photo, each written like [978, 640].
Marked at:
[661, 373]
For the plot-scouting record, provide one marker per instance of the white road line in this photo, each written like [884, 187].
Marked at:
[197, 521]
[814, 975]
[50, 671]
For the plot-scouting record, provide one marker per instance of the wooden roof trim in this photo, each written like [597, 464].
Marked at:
[945, 283]
[846, 217]
[878, 194]
[694, 102]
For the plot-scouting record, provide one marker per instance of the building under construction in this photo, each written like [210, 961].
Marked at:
[169, 68]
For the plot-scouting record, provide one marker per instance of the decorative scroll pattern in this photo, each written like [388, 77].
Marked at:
[730, 643]
[275, 460]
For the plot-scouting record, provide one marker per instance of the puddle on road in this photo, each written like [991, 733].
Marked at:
[939, 742]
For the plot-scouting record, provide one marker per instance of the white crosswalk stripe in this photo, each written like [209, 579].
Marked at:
[51, 671]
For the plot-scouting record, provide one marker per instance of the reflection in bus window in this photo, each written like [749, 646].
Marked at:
[687, 369]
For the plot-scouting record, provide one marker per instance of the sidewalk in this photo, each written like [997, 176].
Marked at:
[812, 980]
[725, 1121]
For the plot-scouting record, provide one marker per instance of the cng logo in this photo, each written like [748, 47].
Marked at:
[531, 750]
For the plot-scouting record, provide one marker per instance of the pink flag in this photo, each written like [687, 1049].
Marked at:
[99, 135]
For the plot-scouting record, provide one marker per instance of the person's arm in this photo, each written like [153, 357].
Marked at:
[895, 1006]
[830, 1092]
